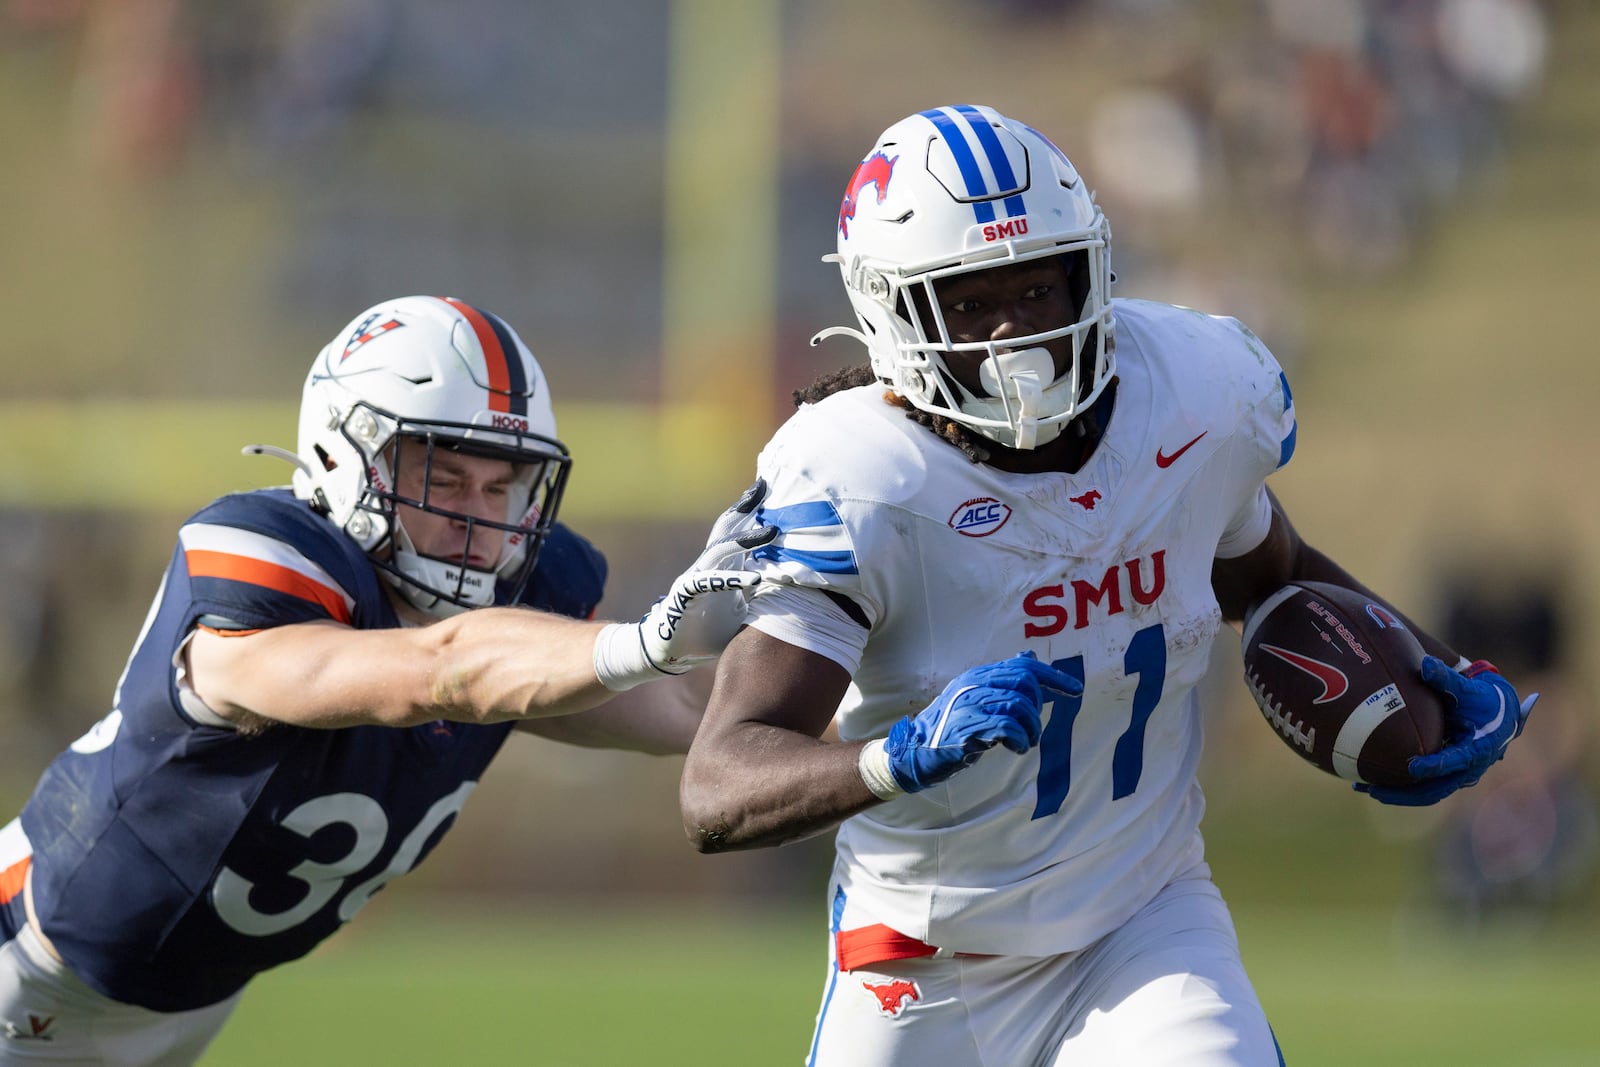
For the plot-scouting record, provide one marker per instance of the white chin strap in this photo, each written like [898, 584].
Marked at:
[1025, 391]
[425, 573]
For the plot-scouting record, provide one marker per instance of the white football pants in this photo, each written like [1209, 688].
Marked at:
[1168, 988]
[47, 1015]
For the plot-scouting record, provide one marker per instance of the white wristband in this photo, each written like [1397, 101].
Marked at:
[873, 766]
[619, 658]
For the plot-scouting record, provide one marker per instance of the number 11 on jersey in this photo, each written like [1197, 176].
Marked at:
[1145, 659]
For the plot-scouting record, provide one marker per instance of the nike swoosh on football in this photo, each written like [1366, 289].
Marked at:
[1164, 461]
[1333, 680]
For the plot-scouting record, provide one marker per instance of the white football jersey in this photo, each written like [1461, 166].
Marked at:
[947, 564]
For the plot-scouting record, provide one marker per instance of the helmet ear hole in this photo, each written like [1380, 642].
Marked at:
[328, 462]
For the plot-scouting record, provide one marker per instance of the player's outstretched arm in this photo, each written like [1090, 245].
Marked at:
[492, 664]
[758, 775]
[488, 665]
[659, 719]
[687, 627]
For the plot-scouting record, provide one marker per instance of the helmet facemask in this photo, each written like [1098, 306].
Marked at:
[1023, 398]
[402, 454]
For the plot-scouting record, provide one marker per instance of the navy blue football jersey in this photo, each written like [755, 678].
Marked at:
[174, 857]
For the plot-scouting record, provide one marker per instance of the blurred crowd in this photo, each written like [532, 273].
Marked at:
[1358, 118]
[1526, 841]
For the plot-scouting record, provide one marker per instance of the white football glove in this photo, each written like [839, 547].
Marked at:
[701, 612]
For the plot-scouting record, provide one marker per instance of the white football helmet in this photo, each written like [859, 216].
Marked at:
[958, 189]
[452, 377]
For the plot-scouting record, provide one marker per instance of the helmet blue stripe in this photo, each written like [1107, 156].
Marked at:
[965, 160]
[516, 373]
[997, 157]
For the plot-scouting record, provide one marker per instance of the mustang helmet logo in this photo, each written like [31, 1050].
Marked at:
[875, 170]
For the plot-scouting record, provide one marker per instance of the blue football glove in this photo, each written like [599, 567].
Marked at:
[995, 704]
[1488, 718]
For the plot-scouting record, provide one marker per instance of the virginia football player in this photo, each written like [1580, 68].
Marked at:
[323, 677]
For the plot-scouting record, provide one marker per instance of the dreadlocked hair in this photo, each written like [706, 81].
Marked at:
[947, 430]
[835, 382]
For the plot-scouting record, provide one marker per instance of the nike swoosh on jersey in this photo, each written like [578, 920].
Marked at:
[1164, 461]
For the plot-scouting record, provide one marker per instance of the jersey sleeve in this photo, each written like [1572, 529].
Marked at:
[254, 563]
[569, 577]
[1270, 427]
[813, 594]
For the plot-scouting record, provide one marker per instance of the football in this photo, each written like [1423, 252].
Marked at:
[1338, 678]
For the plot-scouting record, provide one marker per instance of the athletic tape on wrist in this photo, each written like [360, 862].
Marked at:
[619, 658]
[873, 766]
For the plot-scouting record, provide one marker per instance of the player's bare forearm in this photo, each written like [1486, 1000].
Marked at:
[757, 786]
[758, 773]
[497, 664]
[1318, 567]
[1283, 557]
[659, 719]
[489, 665]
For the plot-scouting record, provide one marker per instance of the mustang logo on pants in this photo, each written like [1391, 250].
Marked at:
[893, 995]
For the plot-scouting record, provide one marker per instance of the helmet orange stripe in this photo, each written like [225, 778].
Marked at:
[494, 354]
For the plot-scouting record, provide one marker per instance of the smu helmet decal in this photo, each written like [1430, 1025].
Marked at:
[875, 170]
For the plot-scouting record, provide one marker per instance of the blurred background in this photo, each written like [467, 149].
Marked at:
[1401, 197]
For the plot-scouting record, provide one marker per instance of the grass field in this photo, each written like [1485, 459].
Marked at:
[608, 985]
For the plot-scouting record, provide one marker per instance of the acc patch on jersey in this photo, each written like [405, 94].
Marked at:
[979, 517]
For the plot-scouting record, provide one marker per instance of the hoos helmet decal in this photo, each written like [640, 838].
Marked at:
[963, 190]
[388, 406]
